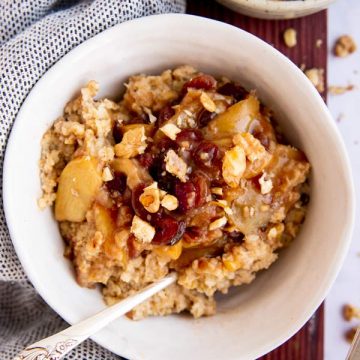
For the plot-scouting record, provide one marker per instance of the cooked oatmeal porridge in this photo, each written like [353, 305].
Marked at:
[185, 173]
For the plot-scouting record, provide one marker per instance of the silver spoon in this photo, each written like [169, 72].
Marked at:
[56, 346]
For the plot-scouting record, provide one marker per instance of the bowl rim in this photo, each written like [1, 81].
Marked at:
[276, 5]
[91, 43]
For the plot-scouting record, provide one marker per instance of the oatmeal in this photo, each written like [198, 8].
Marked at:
[185, 173]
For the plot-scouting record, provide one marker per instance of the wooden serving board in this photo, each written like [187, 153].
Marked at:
[308, 343]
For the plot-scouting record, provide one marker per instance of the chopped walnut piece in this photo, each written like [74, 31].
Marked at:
[275, 232]
[223, 204]
[150, 198]
[175, 165]
[252, 211]
[318, 43]
[350, 312]
[234, 165]
[132, 144]
[170, 130]
[107, 174]
[207, 102]
[344, 46]
[350, 334]
[316, 76]
[339, 90]
[217, 191]
[290, 37]
[265, 184]
[218, 223]
[169, 202]
[278, 215]
[255, 152]
[152, 118]
[142, 230]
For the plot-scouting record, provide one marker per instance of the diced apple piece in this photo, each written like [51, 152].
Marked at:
[173, 252]
[103, 221]
[246, 201]
[114, 242]
[132, 144]
[78, 185]
[288, 168]
[148, 128]
[237, 118]
[135, 174]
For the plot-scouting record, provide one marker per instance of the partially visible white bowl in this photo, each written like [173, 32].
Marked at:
[277, 9]
[251, 320]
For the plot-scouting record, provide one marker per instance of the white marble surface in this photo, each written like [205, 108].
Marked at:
[344, 18]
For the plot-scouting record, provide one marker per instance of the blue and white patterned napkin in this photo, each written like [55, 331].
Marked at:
[35, 34]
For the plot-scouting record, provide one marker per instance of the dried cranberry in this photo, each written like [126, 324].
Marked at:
[219, 182]
[235, 90]
[206, 82]
[205, 117]
[138, 119]
[165, 144]
[165, 114]
[186, 195]
[255, 182]
[135, 201]
[146, 160]
[117, 185]
[193, 232]
[165, 180]
[190, 136]
[202, 189]
[236, 236]
[132, 251]
[168, 230]
[117, 133]
[192, 193]
[304, 198]
[207, 156]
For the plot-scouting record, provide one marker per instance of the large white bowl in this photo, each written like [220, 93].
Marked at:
[254, 319]
[277, 9]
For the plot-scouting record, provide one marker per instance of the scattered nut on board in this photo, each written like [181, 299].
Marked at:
[316, 76]
[339, 90]
[351, 312]
[290, 37]
[318, 43]
[350, 334]
[344, 46]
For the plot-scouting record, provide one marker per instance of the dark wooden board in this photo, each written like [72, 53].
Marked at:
[308, 343]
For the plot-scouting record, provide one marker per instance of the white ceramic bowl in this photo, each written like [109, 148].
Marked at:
[251, 320]
[277, 9]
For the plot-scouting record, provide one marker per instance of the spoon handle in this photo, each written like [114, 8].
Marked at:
[56, 346]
